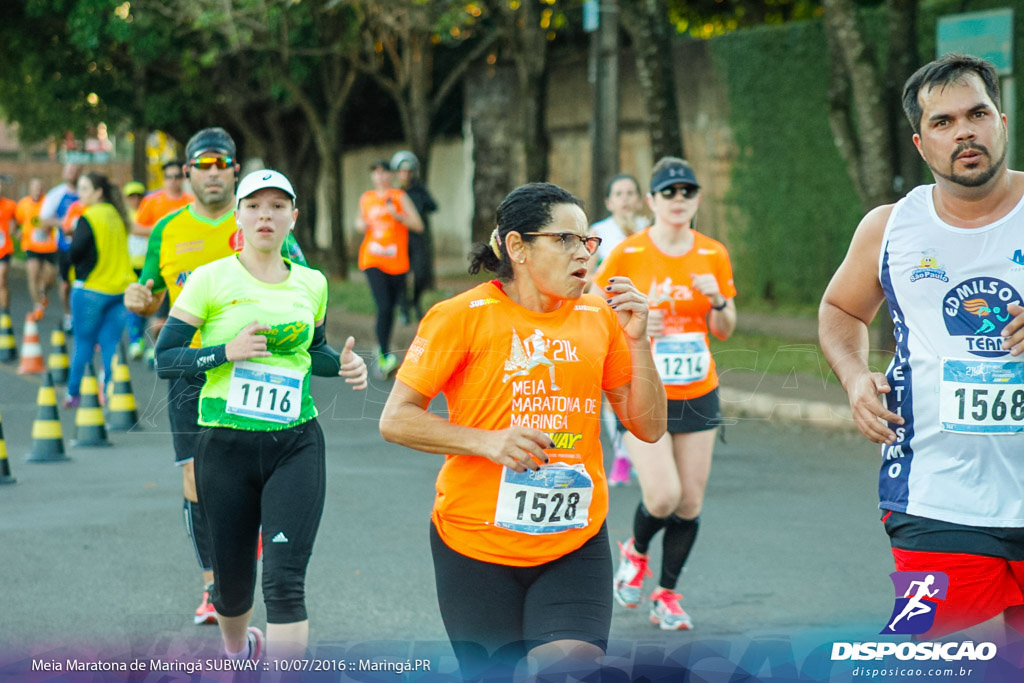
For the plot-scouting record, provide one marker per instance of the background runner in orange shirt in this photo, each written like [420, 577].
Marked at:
[8, 225]
[520, 546]
[39, 246]
[386, 216]
[688, 278]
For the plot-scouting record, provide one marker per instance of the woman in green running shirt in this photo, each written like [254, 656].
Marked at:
[260, 458]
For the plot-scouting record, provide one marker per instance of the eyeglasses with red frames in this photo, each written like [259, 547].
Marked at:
[206, 163]
[688, 191]
[571, 241]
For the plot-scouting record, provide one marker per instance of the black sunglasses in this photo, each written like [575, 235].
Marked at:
[688, 191]
[571, 241]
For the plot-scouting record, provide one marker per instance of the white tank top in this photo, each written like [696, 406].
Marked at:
[959, 457]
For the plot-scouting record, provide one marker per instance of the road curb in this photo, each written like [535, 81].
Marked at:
[749, 405]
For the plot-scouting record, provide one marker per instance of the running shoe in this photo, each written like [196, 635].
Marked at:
[254, 646]
[629, 579]
[667, 613]
[38, 313]
[387, 365]
[136, 349]
[621, 468]
[72, 401]
[206, 613]
[68, 327]
[149, 355]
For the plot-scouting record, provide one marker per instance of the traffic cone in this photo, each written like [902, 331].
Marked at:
[57, 361]
[47, 438]
[5, 466]
[121, 410]
[31, 350]
[90, 429]
[8, 346]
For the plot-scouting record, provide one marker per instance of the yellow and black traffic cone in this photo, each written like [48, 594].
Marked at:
[8, 344]
[5, 466]
[122, 414]
[47, 438]
[57, 361]
[90, 429]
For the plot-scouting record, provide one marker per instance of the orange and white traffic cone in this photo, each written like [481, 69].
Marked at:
[31, 350]
[90, 428]
[57, 362]
[5, 466]
[47, 437]
[8, 345]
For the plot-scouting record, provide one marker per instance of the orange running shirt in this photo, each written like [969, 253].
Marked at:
[156, 205]
[70, 219]
[34, 238]
[386, 242]
[683, 356]
[8, 207]
[498, 365]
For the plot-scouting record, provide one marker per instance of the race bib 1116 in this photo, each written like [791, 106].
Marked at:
[265, 392]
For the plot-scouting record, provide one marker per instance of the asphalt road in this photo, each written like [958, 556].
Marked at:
[94, 557]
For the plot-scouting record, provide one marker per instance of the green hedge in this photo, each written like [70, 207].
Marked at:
[792, 207]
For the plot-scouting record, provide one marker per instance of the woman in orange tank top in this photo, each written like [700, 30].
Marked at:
[386, 217]
[520, 547]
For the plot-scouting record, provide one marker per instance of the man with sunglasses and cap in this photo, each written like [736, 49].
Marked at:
[192, 236]
[689, 283]
[154, 206]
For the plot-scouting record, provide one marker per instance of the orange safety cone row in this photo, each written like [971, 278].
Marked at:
[47, 437]
[31, 350]
[122, 413]
[57, 362]
[90, 429]
[5, 466]
[8, 345]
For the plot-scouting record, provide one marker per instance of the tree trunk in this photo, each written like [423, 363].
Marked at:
[869, 131]
[903, 61]
[531, 59]
[490, 95]
[647, 23]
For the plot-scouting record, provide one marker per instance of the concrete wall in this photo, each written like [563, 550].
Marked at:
[703, 106]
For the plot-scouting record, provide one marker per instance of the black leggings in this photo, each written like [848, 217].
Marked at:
[494, 613]
[388, 291]
[275, 478]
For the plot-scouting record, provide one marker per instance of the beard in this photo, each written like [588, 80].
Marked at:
[973, 180]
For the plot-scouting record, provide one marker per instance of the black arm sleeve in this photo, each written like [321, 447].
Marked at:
[325, 361]
[175, 359]
[82, 251]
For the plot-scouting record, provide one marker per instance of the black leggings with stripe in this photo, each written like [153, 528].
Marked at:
[274, 478]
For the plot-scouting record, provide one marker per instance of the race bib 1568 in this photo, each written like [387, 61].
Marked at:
[982, 397]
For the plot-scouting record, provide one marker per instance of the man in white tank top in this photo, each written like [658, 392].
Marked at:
[948, 261]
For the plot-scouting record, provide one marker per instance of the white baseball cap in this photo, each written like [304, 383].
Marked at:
[261, 180]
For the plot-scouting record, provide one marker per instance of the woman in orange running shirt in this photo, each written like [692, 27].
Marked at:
[520, 547]
[688, 277]
[386, 216]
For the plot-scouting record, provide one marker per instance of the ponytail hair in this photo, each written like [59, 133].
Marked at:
[110, 192]
[528, 208]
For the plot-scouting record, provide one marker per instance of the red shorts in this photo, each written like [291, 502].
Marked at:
[980, 587]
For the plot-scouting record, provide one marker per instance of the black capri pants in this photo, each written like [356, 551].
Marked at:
[274, 478]
[494, 614]
[388, 291]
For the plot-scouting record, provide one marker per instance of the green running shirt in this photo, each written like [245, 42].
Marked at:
[261, 394]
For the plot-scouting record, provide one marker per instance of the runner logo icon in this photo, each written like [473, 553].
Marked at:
[917, 596]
